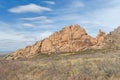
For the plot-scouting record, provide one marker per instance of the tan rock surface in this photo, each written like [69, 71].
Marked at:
[70, 39]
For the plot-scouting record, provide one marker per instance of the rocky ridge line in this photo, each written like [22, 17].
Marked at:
[70, 39]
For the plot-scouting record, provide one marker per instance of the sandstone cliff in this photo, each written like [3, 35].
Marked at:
[70, 39]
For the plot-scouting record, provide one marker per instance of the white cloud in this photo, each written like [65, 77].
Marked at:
[15, 40]
[29, 8]
[28, 25]
[108, 18]
[35, 18]
[11, 39]
[50, 2]
[105, 17]
[42, 19]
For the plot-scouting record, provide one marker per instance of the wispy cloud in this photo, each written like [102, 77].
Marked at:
[105, 16]
[50, 2]
[35, 18]
[28, 25]
[39, 19]
[10, 38]
[29, 8]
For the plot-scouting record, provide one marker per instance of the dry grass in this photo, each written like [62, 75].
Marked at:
[98, 66]
[2, 55]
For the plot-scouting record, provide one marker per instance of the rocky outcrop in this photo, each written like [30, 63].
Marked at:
[113, 38]
[70, 39]
[101, 37]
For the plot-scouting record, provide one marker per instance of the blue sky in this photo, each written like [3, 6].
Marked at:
[23, 22]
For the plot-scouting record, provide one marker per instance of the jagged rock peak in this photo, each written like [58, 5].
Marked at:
[70, 39]
[73, 28]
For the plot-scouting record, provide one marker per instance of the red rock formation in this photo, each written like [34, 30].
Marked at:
[70, 39]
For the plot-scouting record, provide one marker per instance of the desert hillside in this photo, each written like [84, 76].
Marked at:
[85, 65]
[98, 61]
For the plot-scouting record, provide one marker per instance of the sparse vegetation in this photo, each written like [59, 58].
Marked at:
[97, 66]
[2, 55]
